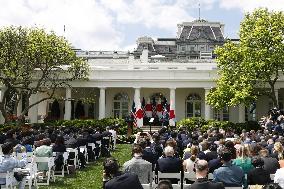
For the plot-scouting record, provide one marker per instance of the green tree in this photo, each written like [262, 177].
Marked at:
[35, 61]
[252, 67]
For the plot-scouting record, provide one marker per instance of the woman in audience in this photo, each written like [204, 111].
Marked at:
[243, 160]
[59, 148]
[45, 150]
[258, 175]
[188, 164]
[277, 151]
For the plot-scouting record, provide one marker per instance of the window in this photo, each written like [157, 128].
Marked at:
[221, 115]
[182, 48]
[120, 105]
[193, 106]
[250, 114]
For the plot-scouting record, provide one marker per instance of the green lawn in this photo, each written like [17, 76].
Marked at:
[91, 177]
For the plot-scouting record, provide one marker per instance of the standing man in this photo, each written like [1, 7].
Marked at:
[139, 166]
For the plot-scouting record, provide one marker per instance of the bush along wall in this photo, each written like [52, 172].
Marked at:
[203, 125]
[92, 123]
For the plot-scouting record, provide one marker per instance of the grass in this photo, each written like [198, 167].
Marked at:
[90, 177]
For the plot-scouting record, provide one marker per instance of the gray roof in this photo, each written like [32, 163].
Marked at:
[197, 32]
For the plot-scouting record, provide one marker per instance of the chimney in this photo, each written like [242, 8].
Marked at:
[144, 56]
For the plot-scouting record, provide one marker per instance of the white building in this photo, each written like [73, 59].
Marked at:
[180, 69]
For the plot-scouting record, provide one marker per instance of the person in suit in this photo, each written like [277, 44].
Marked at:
[202, 181]
[139, 166]
[169, 164]
[270, 164]
[258, 175]
[114, 179]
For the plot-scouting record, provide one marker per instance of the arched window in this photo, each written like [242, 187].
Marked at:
[120, 105]
[193, 106]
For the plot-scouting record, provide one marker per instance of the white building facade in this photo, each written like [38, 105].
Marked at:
[181, 70]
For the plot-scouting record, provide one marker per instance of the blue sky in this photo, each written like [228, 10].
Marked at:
[116, 24]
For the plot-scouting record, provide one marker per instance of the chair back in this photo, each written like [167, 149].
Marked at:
[9, 177]
[190, 176]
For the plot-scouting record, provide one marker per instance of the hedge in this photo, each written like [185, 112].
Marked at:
[91, 123]
[203, 125]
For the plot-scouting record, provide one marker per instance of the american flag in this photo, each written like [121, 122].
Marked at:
[143, 104]
[133, 114]
[154, 107]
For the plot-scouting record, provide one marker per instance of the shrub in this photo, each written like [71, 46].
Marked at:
[199, 123]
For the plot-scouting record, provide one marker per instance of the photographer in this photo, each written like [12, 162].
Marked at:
[142, 135]
[114, 179]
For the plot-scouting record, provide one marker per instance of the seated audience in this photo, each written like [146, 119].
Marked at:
[243, 160]
[202, 181]
[59, 148]
[114, 179]
[164, 184]
[45, 150]
[188, 164]
[230, 175]
[277, 151]
[8, 163]
[169, 163]
[258, 175]
[279, 177]
[270, 164]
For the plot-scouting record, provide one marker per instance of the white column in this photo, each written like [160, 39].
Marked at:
[102, 103]
[2, 119]
[172, 99]
[19, 107]
[33, 111]
[242, 116]
[276, 91]
[172, 105]
[207, 108]
[137, 96]
[68, 106]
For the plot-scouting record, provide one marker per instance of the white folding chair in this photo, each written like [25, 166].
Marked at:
[189, 176]
[210, 176]
[28, 154]
[50, 172]
[146, 186]
[171, 176]
[9, 177]
[65, 164]
[98, 144]
[83, 149]
[75, 159]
